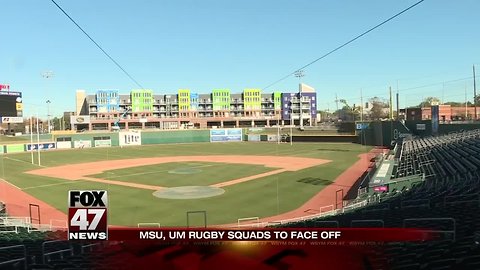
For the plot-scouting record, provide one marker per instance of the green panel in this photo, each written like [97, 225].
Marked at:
[15, 148]
[412, 125]
[142, 100]
[252, 99]
[183, 99]
[221, 99]
[264, 138]
[175, 136]
[277, 99]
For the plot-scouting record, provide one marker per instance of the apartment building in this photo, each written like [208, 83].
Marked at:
[142, 108]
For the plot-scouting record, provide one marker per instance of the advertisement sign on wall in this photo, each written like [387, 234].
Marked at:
[253, 138]
[272, 138]
[226, 135]
[82, 144]
[226, 138]
[81, 119]
[421, 127]
[360, 126]
[130, 138]
[64, 145]
[41, 146]
[11, 120]
[103, 143]
[217, 132]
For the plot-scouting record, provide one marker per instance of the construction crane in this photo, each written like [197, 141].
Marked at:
[115, 124]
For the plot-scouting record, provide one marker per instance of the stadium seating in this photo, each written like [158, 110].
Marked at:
[448, 201]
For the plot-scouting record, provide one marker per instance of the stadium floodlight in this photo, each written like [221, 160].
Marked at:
[300, 74]
[47, 75]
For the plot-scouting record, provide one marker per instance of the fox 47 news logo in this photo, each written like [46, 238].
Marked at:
[87, 215]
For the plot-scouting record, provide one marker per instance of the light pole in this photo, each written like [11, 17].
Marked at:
[299, 74]
[47, 75]
[48, 115]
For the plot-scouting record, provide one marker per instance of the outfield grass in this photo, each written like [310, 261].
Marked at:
[128, 206]
[176, 174]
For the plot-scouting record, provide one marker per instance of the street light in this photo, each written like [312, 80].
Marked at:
[47, 75]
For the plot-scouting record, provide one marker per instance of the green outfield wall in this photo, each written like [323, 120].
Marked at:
[175, 136]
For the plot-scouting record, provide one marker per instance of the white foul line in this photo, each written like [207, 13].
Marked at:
[19, 160]
[56, 184]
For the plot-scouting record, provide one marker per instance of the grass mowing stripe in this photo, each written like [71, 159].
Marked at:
[151, 172]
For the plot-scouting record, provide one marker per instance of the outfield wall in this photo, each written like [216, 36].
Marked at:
[70, 140]
[175, 136]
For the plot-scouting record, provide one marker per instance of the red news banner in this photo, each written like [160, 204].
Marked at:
[290, 234]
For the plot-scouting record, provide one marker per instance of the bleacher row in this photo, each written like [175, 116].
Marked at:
[447, 157]
[33, 250]
[448, 201]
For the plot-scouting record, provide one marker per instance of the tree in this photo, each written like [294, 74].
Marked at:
[348, 113]
[378, 108]
[427, 102]
[56, 123]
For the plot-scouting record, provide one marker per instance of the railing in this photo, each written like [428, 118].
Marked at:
[360, 221]
[24, 259]
[415, 203]
[256, 221]
[453, 222]
[458, 199]
[61, 251]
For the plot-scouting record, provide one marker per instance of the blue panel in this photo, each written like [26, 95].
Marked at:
[217, 132]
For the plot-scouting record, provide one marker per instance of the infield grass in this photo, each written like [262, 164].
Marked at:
[176, 174]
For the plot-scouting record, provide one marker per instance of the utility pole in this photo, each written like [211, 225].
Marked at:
[398, 107]
[474, 93]
[466, 108]
[391, 103]
[398, 103]
[361, 105]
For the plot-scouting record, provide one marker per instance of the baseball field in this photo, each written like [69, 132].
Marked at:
[161, 183]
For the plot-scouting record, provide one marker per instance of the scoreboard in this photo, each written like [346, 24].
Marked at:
[11, 103]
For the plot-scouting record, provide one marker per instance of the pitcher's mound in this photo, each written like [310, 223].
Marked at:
[188, 192]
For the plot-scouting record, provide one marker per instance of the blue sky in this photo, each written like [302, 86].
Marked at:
[201, 45]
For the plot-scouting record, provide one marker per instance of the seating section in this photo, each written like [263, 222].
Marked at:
[448, 201]
[444, 157]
